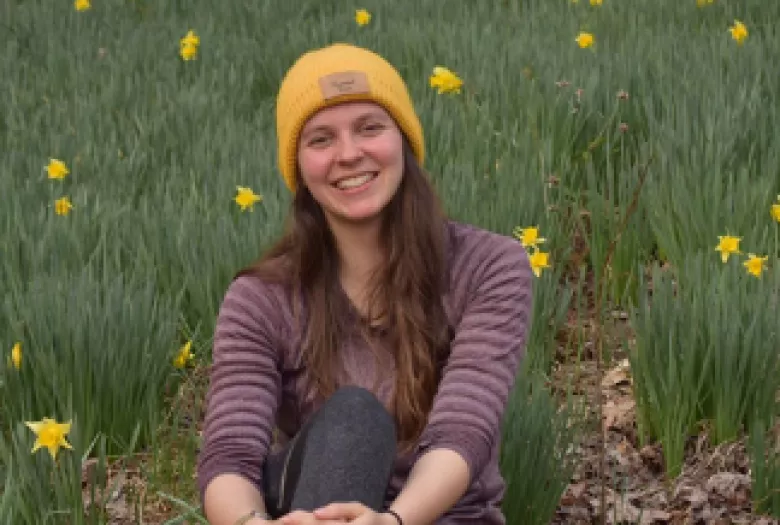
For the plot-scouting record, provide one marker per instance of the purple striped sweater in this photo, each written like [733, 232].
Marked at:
[257, 383]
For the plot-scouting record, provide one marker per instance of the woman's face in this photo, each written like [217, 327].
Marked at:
[350, 157]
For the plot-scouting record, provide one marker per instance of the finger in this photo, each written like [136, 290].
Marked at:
[336, 511]
[297, 517]
[365, 519]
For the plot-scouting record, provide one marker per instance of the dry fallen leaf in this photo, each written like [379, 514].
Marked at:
[732, 486]
[693, 495]
[619, 415]
[619, 375]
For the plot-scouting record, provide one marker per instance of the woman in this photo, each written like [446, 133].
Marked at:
[378, 337]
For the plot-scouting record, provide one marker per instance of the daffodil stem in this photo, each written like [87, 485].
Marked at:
[599, 339]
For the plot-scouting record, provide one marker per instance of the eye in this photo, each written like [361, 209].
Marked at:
[372, 127]
[318, 141]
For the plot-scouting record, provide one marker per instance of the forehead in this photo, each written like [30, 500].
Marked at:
[344, 114]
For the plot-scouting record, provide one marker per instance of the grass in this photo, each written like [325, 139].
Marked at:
[102, 299]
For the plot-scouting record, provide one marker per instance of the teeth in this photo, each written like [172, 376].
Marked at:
[354, 182]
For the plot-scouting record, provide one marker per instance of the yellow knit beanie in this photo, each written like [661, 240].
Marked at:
[331, 75]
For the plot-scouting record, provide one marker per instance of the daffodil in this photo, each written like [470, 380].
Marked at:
[738, 32]
[702, 3]
[15, 359]
[190, 39]
[50, 434]
[362, 17]
[82, 5]
[189, 45]
[596, 2]
[539, 261]
[727, 245]
[184, 356]
[246, 198]
[188, 52]
[528, 237]
[585, 40]
[57, 169]
[775, 210]
[755, 265]
[445, 80]
[62, 206]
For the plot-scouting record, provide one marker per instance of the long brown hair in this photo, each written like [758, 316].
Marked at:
[406, 292]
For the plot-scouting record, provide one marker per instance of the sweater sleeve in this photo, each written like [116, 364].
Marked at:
[488, 343]
[245, 385]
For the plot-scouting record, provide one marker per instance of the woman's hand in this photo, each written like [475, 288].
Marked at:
[354, 514]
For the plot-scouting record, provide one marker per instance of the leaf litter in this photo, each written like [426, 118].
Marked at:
[714, 487]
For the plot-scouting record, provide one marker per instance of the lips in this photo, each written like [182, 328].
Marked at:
[355, 181]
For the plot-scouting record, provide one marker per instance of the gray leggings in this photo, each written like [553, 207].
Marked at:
[345, 452]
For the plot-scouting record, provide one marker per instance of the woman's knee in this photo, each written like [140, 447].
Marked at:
[355, 407]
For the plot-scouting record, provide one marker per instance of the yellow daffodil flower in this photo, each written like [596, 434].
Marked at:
[362, 17]
[596, 2]
[727, 245]
[445, 80]
[189, 45]
[528, 237]
[738, 32]
[190, 39]
[15, 359]
[62, 206]
[188, 52]
[184, 356]
[57, 169]
[775, 210]
[702, 3]
[246, 198]
[82, 5]
[755, 265]
[539, 261]
[585, 40]
[50, 434]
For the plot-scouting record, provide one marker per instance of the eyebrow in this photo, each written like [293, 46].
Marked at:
[362, 118]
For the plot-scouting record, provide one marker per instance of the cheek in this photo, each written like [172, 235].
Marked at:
[314, 166]
[390, 153]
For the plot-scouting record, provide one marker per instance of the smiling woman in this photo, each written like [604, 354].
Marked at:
[380, 338]
[350, 158]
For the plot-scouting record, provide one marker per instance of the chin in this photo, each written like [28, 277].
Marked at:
[358, 216]
[362, 218]
[363, 210]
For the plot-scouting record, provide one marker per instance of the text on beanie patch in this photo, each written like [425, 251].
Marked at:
[343, 83]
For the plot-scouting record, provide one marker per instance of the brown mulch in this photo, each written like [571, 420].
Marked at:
[713, 488]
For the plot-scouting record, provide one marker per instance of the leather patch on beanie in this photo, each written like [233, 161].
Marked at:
[344, 83]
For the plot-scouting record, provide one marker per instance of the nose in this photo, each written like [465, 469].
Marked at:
[349, 150]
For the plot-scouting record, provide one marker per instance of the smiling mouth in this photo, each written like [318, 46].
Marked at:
[356, 182]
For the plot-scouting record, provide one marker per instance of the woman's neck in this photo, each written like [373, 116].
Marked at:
[359, 250]
[360, 253]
